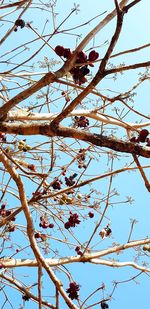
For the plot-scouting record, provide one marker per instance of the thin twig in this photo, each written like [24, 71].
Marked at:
[147, 184]
[40, 285]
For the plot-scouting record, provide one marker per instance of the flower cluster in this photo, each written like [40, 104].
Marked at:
[2, 137]
[80, 70]
[142, 137]
[106, 231]
[5, 213]
[10, 227]
[19, 23]
[78, 250]
[44, 223]
[91, 214]
[25, 297]
[104, 305]
[72, 221]
[73, 290]
[69, 180]
[81, 158]
[81, 122]
[43, 237]
[56, 184]
[31, 167]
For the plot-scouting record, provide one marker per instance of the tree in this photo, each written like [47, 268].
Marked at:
[74, 140]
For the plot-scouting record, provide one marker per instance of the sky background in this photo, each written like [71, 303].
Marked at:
[134, 294]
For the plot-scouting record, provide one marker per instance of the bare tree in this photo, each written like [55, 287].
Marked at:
[71, 136]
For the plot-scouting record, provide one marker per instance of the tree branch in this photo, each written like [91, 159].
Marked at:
[21, 288]
[30, 230]
[95, 139]
[130, 5]
[88, 257]
[93, 114]
[5, 220]
[97, 78]
[19, 3]
[120, 264]
[147, 184]
[128, 67]
[51, 77]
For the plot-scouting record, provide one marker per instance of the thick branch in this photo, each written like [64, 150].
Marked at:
[24, 115]
[54, 262]
[106, 141]
[90, 257]
[95, 139]
[19, 3]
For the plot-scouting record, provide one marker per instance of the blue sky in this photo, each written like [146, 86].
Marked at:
[134, 33]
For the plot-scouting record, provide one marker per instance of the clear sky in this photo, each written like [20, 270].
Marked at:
[133, 294]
